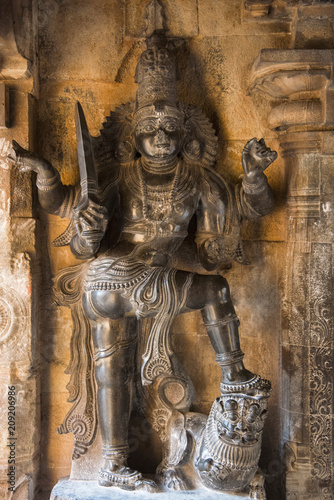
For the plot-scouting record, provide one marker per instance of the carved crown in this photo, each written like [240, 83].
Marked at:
[156, 73]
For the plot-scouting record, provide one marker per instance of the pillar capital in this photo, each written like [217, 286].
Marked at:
[301, 83]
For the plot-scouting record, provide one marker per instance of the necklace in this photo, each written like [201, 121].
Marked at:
[158, 168]
[161, 207]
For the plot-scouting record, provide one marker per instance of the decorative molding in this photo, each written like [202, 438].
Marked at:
[281, 10]
[322, 324]
[321, 379]
[302, 79]
[320, 430]
[321, 395]
[14, 37]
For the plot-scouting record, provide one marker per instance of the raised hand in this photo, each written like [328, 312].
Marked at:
[28, 161]
[256, 157]
[91, 222]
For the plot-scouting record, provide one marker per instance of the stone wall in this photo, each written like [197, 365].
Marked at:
[234, 65]
[20, 274]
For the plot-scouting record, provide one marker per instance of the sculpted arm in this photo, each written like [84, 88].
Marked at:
[254, 196]
[220, 211]
[51, 192]
[89, 222]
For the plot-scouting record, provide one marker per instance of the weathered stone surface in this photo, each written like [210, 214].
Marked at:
[88, 490]
[218, 18]
[19, 329]
[66, 29]
[181, 18]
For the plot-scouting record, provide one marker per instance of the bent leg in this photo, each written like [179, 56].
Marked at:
[211, 295]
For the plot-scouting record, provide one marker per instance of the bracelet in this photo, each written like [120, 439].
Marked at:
[48, 184]
[225, 321]
[250, 188]
[79, 246]
[229, 358]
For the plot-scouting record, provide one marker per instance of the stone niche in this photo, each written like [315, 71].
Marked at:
[261, 69]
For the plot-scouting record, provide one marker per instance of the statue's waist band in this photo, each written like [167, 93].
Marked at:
[141, 235]
[110, 273]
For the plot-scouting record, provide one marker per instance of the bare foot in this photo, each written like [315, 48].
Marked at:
[120, 475]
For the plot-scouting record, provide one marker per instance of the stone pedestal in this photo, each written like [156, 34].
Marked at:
[88, 490]
[300, 82]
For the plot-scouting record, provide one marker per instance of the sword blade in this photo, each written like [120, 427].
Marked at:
[88, 176]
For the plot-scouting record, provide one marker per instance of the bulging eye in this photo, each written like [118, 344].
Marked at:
[148, 128]
[170, 127]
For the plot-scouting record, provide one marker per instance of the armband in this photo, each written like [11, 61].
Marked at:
[250, 188]
[48, 184]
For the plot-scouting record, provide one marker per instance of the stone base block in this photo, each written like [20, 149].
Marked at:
[67, 489]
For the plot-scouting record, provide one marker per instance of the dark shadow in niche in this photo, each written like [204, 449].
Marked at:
[192, 88]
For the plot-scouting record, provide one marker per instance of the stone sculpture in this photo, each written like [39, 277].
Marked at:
[151, 169]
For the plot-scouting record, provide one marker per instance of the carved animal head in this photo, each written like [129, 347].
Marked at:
[240, 420]
[228, 454]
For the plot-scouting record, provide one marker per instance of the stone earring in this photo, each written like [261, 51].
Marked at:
[192, 149]
[125, 151]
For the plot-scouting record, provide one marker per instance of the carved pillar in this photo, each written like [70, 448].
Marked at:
[19, 370]
[301, 83]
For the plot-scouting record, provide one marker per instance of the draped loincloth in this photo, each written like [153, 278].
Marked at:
[154, 293]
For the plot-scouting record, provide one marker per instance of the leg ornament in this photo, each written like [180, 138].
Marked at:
[256, 383]
[228, 358]
[224, 337]
[126, 479]
[110, 452]
[116, 473]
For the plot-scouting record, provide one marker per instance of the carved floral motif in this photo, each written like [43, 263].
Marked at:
[321, 327]
[13, 315]
[321, 402]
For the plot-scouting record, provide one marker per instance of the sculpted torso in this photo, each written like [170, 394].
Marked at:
[154, 220]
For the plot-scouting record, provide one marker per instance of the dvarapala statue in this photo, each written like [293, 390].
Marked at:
[151, 169]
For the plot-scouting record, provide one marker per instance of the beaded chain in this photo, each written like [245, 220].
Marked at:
[143, 189]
